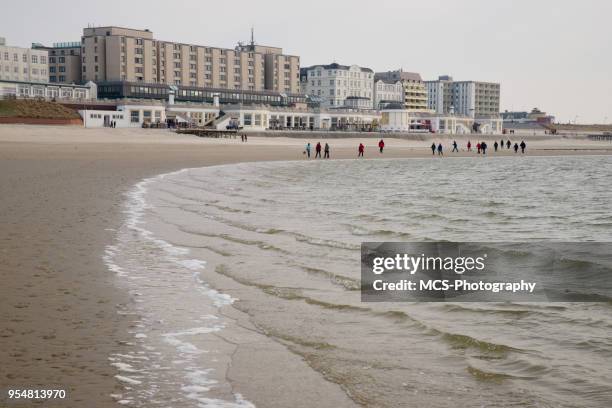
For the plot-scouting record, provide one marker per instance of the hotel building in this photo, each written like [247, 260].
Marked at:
[111, 54]
[64, 62]
[414, 91]
[23, 64]
[387, 92]
[469, 98]
[334, 84]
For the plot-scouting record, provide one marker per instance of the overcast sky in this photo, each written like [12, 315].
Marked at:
[552, 54]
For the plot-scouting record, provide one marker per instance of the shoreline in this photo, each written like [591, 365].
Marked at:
[63, 191]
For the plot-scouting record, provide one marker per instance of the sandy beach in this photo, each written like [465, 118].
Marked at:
[62, 190]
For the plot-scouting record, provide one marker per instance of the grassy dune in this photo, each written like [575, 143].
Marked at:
[35, 109]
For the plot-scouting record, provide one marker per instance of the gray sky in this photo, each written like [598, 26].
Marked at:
[556, 55]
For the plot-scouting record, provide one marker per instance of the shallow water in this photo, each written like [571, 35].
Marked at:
[280, 241]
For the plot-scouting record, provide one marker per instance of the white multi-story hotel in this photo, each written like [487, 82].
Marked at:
[469, 98]
[332, 84]
[23, 64]
[387, 92]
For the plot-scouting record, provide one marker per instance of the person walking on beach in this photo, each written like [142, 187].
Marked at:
[361, 150]
[326, 155]
[318, 150]
[495, 145]
[433, 149]
[308, 150]
[440, 150]
[516, 146]
[508, 144]
[469, 146]
[523, 146]
[381, 145]
[455, 147]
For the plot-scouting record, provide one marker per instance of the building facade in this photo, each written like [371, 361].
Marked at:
[414, 90]
[48, 91]
[403, 120]
[125, 54]
[332, 84]
[64, 62]
[469, 98]
[387, 92]
[23, 64]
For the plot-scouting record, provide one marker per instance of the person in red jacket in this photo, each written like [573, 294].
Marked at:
[381, 145]
[478, 147]
[361, 149]
[318, 150]
[469, 146]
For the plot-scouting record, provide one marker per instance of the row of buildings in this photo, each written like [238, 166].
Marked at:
[126, 63]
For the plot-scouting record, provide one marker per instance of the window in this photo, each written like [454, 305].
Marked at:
[62, 69]
[43, 59]
[62, 78]
[248, 119]
[34, 59]
[134, 116]
[52, 70]
[25, 58]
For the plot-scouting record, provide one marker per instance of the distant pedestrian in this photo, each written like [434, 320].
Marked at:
[469, 146]
[360, 150]
[483, 147]
[381, 145]
[326, 155]
[523, 146]
[495, 145]
[308, 150]
[440, 150]
[455, 146]
[478, 147]
[501, 144]
[246, 138]
[508, 144]
[318, 150]
[433, 149]
[242, 137]
[516, 146]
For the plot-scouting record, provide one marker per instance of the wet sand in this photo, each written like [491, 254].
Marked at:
[61, 195]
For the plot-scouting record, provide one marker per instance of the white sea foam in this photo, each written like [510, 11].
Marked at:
[136, 258]
[128, 380]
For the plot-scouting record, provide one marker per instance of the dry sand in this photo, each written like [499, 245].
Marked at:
[61, 194]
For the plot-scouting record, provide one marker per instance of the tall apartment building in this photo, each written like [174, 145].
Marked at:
[64, 62]
[23, 64]
[469, 98]
[415, 92]
[332, 84]
[125, 54]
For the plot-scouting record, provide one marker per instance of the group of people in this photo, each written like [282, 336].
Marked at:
[111, 124]
[244, 137]
[318, 149]
[481, 147]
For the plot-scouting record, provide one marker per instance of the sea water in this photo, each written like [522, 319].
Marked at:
[280, 242]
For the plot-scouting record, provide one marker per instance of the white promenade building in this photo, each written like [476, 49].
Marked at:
[23, 64]
[469, 98]
[332, 84]
[405, 120]
[48, 91]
